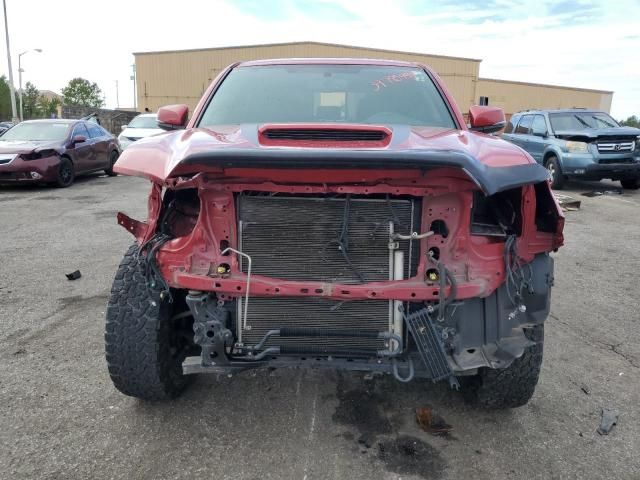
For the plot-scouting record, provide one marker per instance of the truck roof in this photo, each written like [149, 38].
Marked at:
[328, 61]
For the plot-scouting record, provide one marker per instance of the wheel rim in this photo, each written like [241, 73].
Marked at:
[552, 170]
[66, 174]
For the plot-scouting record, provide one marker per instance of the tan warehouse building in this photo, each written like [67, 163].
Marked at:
[182, 76]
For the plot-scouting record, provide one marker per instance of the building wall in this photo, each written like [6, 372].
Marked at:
[49, 95]
[516, 96]
[183, 76]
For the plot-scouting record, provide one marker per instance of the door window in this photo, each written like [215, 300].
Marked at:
[525, 125]
[512, 121]
[80, 129]
[539, 126]
[94, 130]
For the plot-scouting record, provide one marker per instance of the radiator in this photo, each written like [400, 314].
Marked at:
[298, 238]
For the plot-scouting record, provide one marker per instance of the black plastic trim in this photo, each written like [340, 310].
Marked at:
[490, 179]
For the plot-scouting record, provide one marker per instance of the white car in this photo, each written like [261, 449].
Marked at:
[143, 125]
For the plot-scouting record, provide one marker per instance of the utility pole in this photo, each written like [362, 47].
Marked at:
[14, 114]
[135, 96]
[117, 96]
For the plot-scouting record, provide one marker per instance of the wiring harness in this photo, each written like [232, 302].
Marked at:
[147, 257]
[519, 275]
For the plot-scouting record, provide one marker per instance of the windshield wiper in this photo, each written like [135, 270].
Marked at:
[603, 121]
[583, 122]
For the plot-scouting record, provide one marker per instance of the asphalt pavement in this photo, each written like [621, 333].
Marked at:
[61, 418]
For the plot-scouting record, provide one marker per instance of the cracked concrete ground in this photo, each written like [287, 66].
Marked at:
[61, 418]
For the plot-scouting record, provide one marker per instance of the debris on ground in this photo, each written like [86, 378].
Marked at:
[366, 440]
[598, 193]
[431, 422]
[407, 455]
[608, 420]
[585, 389]
[73, 275]
[568, 204]
[20, 351]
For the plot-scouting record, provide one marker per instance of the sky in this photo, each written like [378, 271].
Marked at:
[579, 43]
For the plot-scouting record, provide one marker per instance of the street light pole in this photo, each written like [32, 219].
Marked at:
[39, 50]
[20, 84]
[11, 87]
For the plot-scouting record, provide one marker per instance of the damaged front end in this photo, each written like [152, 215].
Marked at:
[411, 271]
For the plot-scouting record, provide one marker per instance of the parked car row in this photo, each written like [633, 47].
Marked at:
[578, 143]
[56, 151]
[570, 143]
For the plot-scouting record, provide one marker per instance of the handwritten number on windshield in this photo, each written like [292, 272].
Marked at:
[392, 79]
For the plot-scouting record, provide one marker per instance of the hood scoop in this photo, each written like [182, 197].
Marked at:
[325, 135]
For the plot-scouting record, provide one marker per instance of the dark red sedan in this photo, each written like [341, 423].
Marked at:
[55, 151]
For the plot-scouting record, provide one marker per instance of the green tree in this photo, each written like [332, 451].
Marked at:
[5, 99]
[80, 91]
[632, 121]
[30, 97]
[47, 108]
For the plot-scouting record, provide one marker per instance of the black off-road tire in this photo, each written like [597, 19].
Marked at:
[139, 338]
[113, 157]
[630, 184]
[66, 173]
[557, 178]
[510, 387]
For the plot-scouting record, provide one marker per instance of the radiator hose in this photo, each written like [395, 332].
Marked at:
[396, 373]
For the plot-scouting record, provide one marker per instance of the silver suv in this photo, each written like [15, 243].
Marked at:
[578, 143]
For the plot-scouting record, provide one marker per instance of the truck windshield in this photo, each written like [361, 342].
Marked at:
[581, 120]
[365, 94]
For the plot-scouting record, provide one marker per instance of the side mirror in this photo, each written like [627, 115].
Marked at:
[122, 127]
[486, 119]
[173, 117]
[539, 134]
[78, 139]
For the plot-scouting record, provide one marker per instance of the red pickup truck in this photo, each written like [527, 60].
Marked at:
[334, 213]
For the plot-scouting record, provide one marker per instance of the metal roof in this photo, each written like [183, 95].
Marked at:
[339, 45]
[546, 85]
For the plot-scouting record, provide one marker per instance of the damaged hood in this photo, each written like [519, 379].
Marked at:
[589, 134]
[26, 146]
[490, 161]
